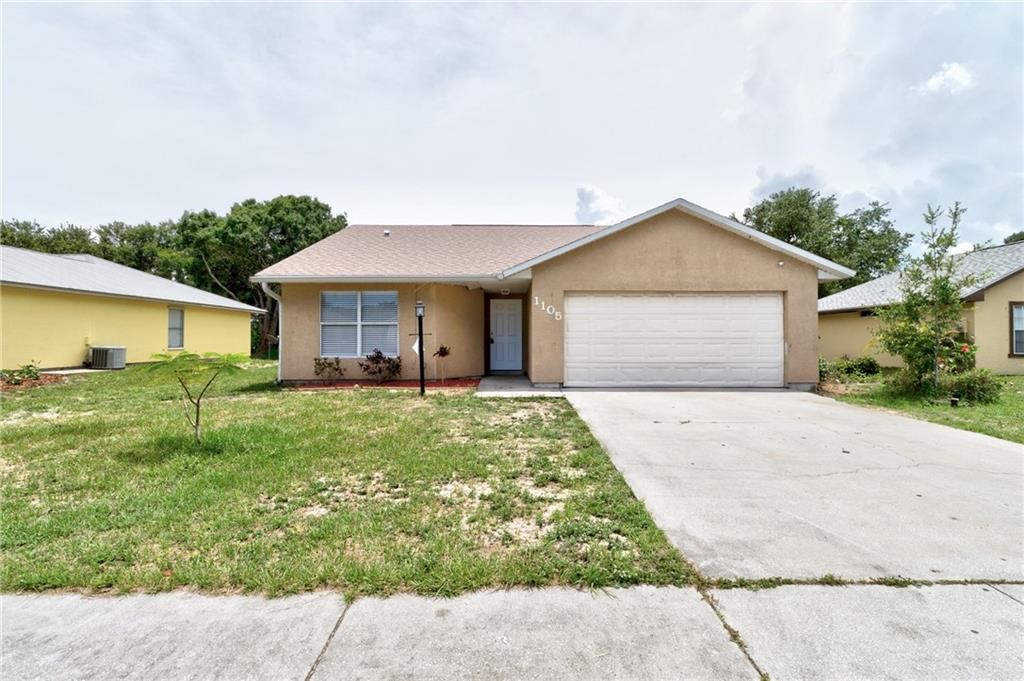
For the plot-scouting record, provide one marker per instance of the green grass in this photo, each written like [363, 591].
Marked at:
[369, 492]
[1003, 419]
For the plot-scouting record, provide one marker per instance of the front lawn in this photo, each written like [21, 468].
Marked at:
[1004, 419]
[367, 491]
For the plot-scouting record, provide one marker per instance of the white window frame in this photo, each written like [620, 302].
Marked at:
[169, 327]
[1014, 352]
[358, 324]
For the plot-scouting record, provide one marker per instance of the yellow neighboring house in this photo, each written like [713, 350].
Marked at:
[993, 312]
[54, 308]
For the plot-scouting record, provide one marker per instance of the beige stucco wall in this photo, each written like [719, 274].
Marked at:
[848, 334]
[992, 326]
[675, 252]
[988, 321]
[454, 317]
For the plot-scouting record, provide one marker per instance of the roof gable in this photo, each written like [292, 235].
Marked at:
[826, 268]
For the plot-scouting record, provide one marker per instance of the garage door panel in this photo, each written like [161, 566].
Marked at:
[680, 339]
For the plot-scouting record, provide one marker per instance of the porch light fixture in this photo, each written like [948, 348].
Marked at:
[420, 310]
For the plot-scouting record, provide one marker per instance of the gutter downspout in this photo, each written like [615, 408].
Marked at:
[280, 322]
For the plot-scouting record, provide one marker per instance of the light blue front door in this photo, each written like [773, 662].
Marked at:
[506, 334]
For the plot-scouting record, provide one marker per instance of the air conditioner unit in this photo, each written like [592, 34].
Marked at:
[107, 356]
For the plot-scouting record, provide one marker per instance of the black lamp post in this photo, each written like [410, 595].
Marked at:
[420, 308]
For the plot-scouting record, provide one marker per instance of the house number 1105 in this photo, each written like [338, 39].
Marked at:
[549, 309]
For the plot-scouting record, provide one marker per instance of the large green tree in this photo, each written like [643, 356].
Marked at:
[23, 234]
[151, 248]
[1014, 238]
[224, 251]
[864, 239]
[213, 252]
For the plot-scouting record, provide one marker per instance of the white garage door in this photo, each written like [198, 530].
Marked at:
[674, 339]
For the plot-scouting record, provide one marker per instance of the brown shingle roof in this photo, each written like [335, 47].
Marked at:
[429, 251]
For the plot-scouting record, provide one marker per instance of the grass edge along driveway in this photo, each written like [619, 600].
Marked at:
[1002, 419]
[366, 491]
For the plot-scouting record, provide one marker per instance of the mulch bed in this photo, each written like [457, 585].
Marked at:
[44, 379]
[463, 383]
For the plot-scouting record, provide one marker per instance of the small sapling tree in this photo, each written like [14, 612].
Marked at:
[195, 374]
[928, 320]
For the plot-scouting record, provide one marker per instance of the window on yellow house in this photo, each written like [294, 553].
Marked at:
[175, 329]
[1017, 328]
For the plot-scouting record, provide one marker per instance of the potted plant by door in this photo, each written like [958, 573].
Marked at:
[441, 353]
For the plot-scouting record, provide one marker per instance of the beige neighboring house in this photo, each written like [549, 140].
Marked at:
[993, 312]
[676, 296]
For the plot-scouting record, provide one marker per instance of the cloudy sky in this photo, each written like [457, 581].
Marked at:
[517, 113]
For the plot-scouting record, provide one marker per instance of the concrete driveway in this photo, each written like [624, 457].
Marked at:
[785, 484]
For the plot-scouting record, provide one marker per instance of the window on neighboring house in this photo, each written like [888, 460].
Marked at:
[1017, 328]
[175, 329]
[355, 323]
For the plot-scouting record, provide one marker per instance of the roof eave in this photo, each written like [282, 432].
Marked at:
[241, 307]
[362, 279]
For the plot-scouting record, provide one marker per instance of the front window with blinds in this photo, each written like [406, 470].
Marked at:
[1017, 328]
[355, 323]
[175, 329]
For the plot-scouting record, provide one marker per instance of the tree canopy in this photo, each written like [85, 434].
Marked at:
[864, 239]
[213, 252]
[1014, 238]
[227, 250]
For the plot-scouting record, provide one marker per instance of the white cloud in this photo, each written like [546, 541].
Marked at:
[489, 113]
[595, 207]
[962, 247]
[769, 183]
[953, 78]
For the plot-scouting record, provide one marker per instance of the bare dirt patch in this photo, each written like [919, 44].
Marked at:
[467, 492]
[19, 418]
[545, 412]
[26, 383]
[364, 487]
[315, 511]
[546, 492]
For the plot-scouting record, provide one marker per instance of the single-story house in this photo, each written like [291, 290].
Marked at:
[54, 308]
[675, 296]
[993, 312]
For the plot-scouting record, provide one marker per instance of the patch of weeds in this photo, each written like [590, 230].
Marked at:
[899, 582]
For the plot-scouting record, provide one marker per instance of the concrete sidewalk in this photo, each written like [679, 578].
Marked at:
[643, 632]
[805, 632]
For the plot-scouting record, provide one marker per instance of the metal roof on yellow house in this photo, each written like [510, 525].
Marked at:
[89, 274]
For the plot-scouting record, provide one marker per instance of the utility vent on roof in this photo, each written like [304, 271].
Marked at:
[107, 356]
